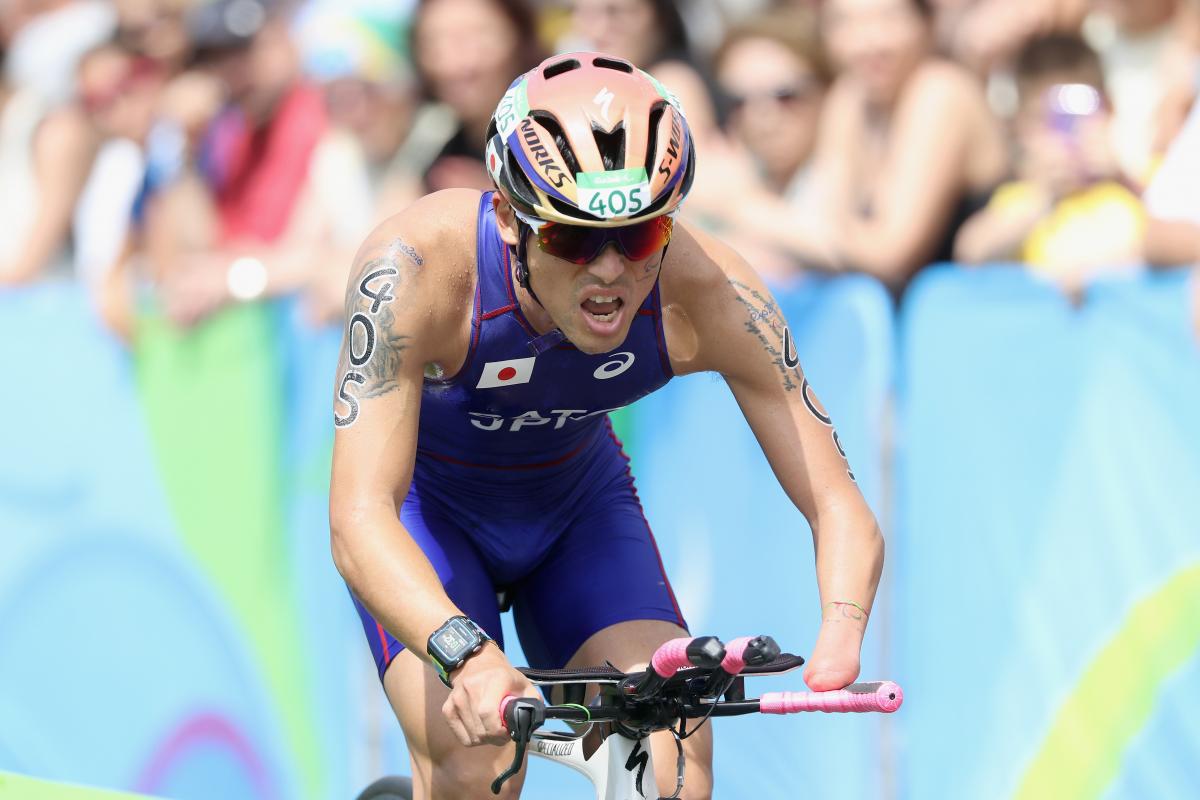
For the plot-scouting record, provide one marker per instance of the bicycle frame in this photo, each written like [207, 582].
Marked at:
[621, 768]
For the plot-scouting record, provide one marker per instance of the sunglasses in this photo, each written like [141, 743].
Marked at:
[781, 95]
[580, 244]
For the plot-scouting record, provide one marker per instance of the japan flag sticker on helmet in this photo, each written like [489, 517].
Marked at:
[506, 373]
[493, 159]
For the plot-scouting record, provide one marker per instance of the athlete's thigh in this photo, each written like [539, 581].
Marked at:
[442, 768]
[629, 646]
[602, 595]
[603, 570]
[458, 565]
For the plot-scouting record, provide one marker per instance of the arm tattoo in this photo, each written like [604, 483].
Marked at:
[372, 349]
[766, 323]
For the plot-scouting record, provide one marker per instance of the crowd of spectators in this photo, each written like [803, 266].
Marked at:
[195, 153]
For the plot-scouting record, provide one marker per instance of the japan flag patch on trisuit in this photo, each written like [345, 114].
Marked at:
[506, 373]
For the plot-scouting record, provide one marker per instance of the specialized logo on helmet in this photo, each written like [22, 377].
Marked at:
[541, 155]
[604, 99]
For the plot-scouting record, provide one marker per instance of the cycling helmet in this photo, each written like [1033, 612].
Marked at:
[588, 139]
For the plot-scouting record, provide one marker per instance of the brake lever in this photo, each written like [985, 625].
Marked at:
[522, 716]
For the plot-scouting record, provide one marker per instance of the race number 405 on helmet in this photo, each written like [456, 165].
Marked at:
[590, 140]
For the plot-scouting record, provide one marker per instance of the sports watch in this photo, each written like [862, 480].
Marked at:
[449, 646]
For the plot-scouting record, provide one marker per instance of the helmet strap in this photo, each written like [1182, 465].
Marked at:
[523, 277]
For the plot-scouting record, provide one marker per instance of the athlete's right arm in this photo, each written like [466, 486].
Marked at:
[407, 305]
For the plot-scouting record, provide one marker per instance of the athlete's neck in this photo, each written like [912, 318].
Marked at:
[537, 315]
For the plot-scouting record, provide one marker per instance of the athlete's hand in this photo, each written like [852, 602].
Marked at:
[835, 658]
[478, 686]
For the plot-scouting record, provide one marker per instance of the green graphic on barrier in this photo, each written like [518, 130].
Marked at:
[18, 787]
[212, 405]
[1082, 753]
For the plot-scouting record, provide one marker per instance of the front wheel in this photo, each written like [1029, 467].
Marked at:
[392, 787]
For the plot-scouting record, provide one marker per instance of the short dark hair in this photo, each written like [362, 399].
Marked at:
[794, 29]
[925, 7]
[520, 15]
[669, 20]
[1064, 56]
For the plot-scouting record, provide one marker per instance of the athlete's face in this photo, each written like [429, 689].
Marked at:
[593, 304]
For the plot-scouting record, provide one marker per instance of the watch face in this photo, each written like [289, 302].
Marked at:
[455, 641]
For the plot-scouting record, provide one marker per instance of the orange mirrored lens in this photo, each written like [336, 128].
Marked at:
[580, 245]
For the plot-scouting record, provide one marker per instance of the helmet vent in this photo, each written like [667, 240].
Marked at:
[612, 146]
[565, 65]
[569, 210]
[656, 115]
[552, 126]
[612, 63]
[519, 183]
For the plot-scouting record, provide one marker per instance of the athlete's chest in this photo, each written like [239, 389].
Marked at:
[505, 386]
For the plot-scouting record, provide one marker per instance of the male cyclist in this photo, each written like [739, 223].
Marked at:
[487, 337]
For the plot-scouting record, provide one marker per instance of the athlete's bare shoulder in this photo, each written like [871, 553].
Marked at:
[425, 257]
[702, 283]
[438, 229]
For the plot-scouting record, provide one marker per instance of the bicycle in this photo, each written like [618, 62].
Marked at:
[688, 679]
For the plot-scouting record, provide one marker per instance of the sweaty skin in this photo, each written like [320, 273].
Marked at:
[718, 317]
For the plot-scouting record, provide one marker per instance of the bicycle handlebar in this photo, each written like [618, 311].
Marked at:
[684, 698]
[882, 696]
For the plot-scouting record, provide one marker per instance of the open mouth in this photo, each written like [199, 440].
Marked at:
[602, 308]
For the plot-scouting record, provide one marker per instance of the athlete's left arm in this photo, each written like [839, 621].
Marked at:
[742, 334]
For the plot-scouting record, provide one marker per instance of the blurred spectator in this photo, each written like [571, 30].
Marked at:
[1133, 38]
[1181, 66]
[651, 35]
[985, 35]
[467, 52]
[119, 92]
[372, 97]
[1069, 215]
[51, 37]
[233, 212]
[1173, 201]
[772, 75]
[908, 145]
[155, 29]
[45, 153]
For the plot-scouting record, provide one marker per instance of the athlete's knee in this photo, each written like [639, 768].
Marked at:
[697, 787]
[467, 774]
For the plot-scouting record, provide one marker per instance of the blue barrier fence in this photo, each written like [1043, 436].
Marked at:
[1044, 557]
[1048, 566]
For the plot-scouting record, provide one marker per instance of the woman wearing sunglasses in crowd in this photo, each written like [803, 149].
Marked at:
[488, 336]
[772, 75]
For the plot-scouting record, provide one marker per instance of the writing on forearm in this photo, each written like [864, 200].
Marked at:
[817, 410]
[765, 323]
[372, 351]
